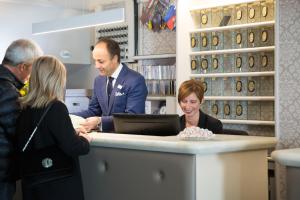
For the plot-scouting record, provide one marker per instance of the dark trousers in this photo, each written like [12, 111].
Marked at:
[7, 190]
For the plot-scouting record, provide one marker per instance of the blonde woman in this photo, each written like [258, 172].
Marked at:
[47, 85]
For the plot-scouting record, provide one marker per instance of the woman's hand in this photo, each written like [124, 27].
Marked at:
[80, 129]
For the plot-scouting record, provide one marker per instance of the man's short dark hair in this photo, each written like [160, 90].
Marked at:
[112, 47]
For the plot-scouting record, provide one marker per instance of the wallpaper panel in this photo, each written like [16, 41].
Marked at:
[288, 70]
[289, 74]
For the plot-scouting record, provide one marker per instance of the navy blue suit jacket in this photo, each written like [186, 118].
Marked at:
[128, 96]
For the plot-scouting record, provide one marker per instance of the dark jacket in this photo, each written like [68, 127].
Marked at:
[206, 122]
[9, 111]
[55, 129]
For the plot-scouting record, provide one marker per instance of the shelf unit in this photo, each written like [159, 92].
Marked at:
[157, 98]
[158, 63]
[237, 74]
[150, 57]
[232, 27]
[194, 52]
[240, 98]
[231, 51]
[154, 102]
[248, 122]
[211, 4]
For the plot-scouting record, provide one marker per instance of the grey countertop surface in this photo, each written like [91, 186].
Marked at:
[287, 157]
[173, 144]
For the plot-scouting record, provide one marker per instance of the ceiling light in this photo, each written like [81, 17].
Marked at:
[81, 21]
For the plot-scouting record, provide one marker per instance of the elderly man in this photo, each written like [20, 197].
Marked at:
[14, 71]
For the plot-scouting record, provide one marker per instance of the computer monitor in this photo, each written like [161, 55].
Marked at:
[147, 124]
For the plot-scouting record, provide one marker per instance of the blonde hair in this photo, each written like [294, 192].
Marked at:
[47, 82]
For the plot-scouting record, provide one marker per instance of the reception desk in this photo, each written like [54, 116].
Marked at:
[134, 167]
[290, 158]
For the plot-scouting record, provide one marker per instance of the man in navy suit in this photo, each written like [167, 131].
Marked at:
[117, 89]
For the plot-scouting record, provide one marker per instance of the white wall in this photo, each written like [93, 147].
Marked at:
[16, 22]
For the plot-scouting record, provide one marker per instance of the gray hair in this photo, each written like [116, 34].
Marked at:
[21, 51]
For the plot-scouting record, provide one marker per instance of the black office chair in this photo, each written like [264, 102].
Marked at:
[234, 132]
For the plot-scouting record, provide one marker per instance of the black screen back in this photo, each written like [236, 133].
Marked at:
[146, 124]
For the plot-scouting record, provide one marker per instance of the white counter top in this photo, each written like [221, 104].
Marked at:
[219, 144]
[287, 157]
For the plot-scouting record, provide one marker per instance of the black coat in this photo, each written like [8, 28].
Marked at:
[206, 122]
[9, 112]
[55, 129]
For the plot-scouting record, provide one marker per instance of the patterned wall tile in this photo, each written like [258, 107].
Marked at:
[162, 42]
